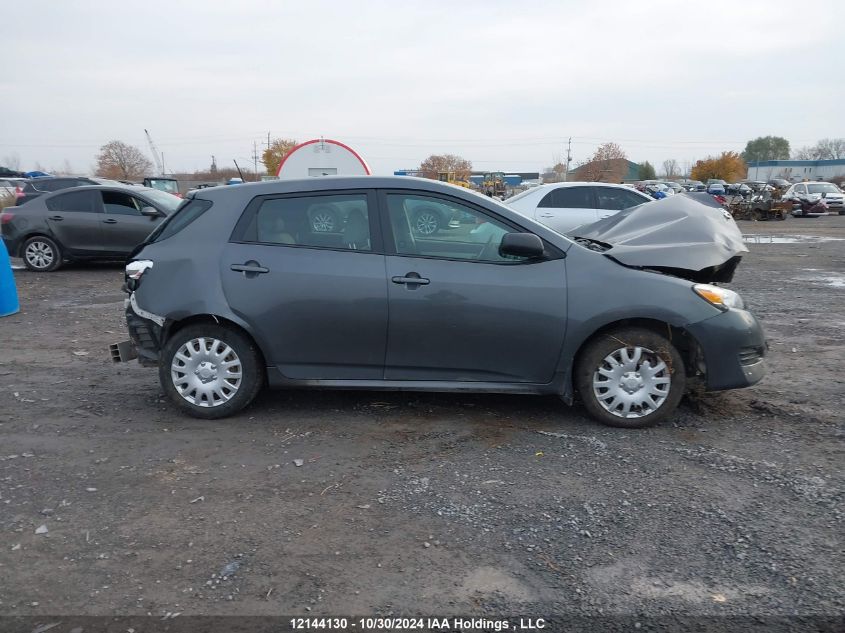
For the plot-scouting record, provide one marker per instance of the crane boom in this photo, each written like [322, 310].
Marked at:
[156, 155]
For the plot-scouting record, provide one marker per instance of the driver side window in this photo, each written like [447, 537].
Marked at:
[427, 226]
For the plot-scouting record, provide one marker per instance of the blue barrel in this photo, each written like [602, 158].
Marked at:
[8, 291]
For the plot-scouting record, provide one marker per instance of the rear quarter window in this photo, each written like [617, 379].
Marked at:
[184, 215]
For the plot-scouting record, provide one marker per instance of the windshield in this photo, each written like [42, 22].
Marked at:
[165, 201]
[822, 188]
[170, 186]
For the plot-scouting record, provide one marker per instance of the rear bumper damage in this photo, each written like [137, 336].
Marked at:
[145, 334]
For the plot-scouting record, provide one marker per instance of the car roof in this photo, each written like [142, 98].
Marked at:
[119, 187]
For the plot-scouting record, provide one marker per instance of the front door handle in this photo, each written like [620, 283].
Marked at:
[249, 267]
[411, 279]
[110, 221]
[546, 215]
[57, 218]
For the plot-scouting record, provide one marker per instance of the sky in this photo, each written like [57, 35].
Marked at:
[502, 84]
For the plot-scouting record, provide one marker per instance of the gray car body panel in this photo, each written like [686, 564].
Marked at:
[580, 292]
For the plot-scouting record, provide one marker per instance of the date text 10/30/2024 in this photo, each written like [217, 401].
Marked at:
[417, 624]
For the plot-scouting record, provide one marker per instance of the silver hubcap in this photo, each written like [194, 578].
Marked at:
[39, 254]
[206, 372]
[632, 382]
[426, 223]
[323, 222]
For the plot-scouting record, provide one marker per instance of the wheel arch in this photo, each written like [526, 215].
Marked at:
[171, 327]
[38, 233]
[686, 344]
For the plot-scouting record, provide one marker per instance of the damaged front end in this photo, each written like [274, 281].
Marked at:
[687, 235]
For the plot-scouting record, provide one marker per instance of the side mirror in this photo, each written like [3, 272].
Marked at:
[150, 211]
[521, 245]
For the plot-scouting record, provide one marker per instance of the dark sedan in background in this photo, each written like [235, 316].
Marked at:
[88, 222]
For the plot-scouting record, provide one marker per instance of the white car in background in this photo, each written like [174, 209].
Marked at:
[564, 205]
[812, 191]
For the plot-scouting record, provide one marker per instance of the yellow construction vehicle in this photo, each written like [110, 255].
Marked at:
[494, 183]
[449, 176]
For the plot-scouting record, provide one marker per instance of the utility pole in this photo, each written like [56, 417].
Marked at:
[568, 159]
[255, 158]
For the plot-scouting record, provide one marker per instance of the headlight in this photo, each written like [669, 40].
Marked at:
[720, 297]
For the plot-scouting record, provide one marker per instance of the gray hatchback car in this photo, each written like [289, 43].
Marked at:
[237, 290]
[87, 222]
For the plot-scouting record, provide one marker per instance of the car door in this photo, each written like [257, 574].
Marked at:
[564, 208]
[124, 227]
[316, 300]
[75, 219]
[611, 200]
[460, 311]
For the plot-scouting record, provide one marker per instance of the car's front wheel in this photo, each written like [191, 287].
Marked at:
[41, 254]
[210, 371]
[630, 377]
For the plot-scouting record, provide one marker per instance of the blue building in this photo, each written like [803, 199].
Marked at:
[797, 170]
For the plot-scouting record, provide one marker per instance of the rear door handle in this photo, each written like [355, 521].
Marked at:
[249, 268]
[57, 218]
[110, 221]
[546, 215]
[411, 281]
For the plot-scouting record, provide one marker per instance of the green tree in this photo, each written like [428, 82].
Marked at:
[766, 148]
[646, 171]
[273, 155]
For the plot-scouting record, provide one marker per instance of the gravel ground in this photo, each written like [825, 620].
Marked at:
[422, 504]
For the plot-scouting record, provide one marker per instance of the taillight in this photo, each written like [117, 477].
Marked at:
[134, 271]
[18, 192]
[6, 217]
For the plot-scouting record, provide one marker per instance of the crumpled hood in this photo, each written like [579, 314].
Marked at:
[688, 235]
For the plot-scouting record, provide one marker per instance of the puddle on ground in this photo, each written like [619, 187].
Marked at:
[835, 280]
[788, 239]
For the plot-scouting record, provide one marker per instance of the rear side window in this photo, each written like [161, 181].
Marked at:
[339, 221]
[568, 198]
[75, 202]
[186, 214]
[613, 199]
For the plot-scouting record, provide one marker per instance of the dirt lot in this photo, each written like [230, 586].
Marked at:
[424, 504]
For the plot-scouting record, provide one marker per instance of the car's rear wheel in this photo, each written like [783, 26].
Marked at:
[630, 377]
[210, 371]
[324, 219]
[41, 254]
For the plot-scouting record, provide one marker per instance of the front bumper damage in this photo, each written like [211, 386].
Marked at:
[145, 334]
[734, 347]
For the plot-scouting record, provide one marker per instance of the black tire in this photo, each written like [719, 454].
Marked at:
[427, 221]
[245, 351]
[41, 254]
[593, 358]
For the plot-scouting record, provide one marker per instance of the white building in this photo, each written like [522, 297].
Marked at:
[796, 170]
[322, 157]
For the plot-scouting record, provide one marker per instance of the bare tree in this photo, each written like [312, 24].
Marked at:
[120, 161]
[671, 168]
[830, 148]
[12, 161]
[609, 163]
[805, 153]
[435, 163]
